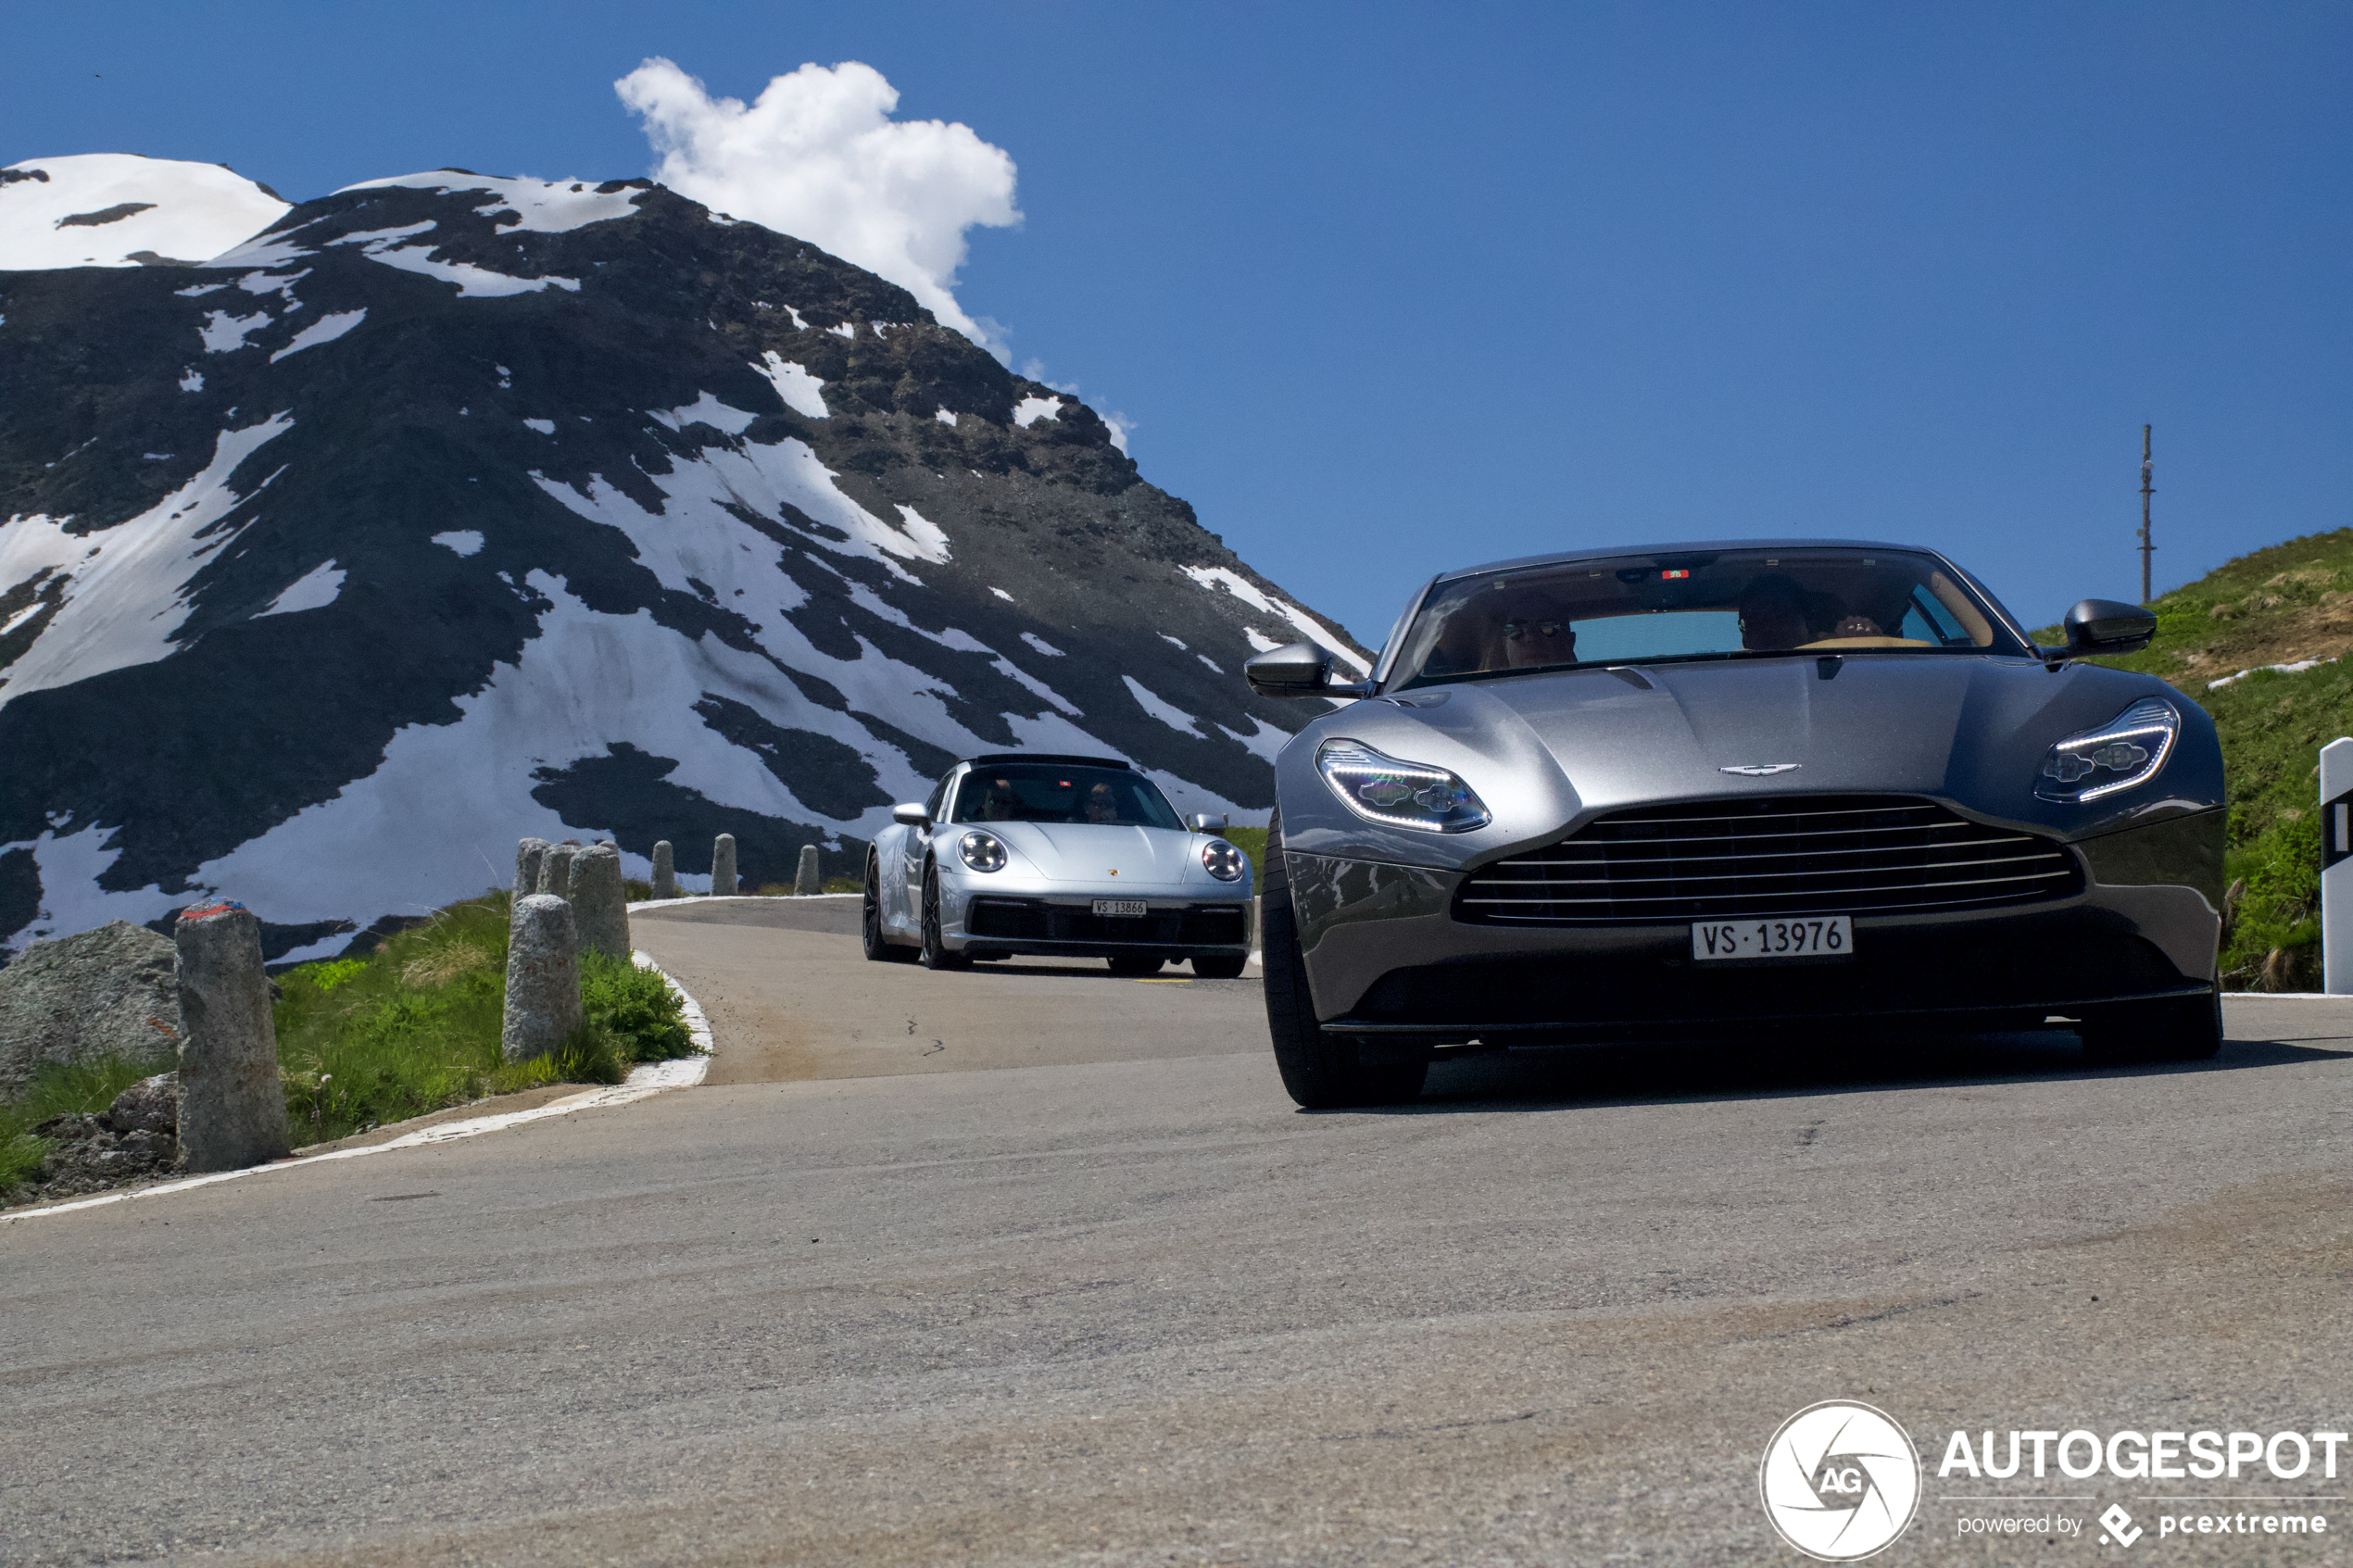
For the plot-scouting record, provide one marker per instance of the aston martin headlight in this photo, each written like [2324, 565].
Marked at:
[1222, 861]
[1405, 795]
[982, 851]
[2129, 750]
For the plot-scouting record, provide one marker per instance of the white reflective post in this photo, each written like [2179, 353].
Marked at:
[2336, 868]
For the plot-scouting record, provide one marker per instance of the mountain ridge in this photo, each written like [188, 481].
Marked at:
[457, 508]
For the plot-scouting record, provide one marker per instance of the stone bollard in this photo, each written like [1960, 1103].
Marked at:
[555, 870]
[806, 881]
[723, 866]
[233, 1110]
[599, 902]
[528, 855]
[543, 979]
[665, 876]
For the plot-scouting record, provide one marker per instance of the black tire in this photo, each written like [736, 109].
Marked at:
[879, 949]
[1132, 964]
[2177, 1029]
[935, 953]
[1321, 1072]
[1226, 968]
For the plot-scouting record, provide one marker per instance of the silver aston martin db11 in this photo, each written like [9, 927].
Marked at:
[1747, 787]
[1075, 856]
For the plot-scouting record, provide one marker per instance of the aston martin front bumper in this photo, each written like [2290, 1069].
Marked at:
[1388, 954]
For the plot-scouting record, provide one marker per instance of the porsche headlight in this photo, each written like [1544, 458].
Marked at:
[1222, 861]
[2130, 749]
[982, 851]
[1405, 795]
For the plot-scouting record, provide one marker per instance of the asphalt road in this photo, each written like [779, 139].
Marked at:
[1139, 1310]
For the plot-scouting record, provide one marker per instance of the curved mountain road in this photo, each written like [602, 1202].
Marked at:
[1081, 1284]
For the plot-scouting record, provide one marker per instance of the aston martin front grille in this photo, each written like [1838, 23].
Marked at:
[1785, 855]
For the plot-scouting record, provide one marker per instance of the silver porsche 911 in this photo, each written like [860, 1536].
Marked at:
[1079, 857]
[1733, 789]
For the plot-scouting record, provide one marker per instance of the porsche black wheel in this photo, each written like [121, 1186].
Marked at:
[1321, 1072]
[1227, 967]
[2177, 1029]
[935, 953]
[879, 949]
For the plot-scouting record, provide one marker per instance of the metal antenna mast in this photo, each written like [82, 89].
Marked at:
[2145, 492]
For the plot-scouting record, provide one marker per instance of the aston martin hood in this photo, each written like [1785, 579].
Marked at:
[1970, 730]
[1674, 729]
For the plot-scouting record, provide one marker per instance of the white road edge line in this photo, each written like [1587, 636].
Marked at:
[653, 1078]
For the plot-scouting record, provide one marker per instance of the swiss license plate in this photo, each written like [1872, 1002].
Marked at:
[1825, 936]
[1126, 909]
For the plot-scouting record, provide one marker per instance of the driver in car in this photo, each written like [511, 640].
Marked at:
[1101, 808]
[1772, 611]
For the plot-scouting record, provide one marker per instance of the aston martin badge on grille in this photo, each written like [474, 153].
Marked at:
[1762, 770]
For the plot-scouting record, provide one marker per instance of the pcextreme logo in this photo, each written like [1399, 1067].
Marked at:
[1839, 1481]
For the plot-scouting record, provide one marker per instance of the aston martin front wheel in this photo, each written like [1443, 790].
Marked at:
[1321, 1072]
[936, 953]
[879, 949]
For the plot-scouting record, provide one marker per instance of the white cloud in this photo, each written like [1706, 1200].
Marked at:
[818, 156]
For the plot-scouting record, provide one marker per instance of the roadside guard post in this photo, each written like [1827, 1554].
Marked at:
[2336, 868]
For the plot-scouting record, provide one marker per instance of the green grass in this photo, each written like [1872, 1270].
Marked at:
[84, 1087]
[414, 1026]
[636, 1008]
[2281, 604]
[410, 1028]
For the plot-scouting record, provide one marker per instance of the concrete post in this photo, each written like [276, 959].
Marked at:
[665, 875]
[1257, 908]
[543, 979]
[723, 866]
[555, 870]
[599, 902]
[232, 1110]
[528, 854]
[806, 880]
[2336, 868]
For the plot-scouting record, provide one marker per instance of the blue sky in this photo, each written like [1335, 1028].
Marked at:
[1390, 289]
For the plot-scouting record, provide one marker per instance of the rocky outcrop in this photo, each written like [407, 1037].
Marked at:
[105, 993]
[151, 1105]
[135, 1140]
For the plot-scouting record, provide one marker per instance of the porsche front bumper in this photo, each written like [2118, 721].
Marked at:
[995, 913]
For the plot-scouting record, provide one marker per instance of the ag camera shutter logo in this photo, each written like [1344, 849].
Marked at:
[1839, 1481]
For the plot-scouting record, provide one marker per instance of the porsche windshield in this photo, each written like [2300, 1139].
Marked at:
[1728, 603]
[1046, 792]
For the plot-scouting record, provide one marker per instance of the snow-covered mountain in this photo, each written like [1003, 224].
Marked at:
[448, 510]
[113, 209]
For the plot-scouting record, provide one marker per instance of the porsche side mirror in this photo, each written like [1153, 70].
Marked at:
[912, 815]
[1201, 821]
[2105, 626]
[1297, 670]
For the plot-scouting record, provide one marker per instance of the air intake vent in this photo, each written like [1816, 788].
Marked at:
[1858, 854]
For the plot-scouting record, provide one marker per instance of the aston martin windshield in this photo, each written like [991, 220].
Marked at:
[1033, 791]
[1634, 609]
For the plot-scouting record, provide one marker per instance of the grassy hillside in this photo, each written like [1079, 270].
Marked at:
[2282, 604]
